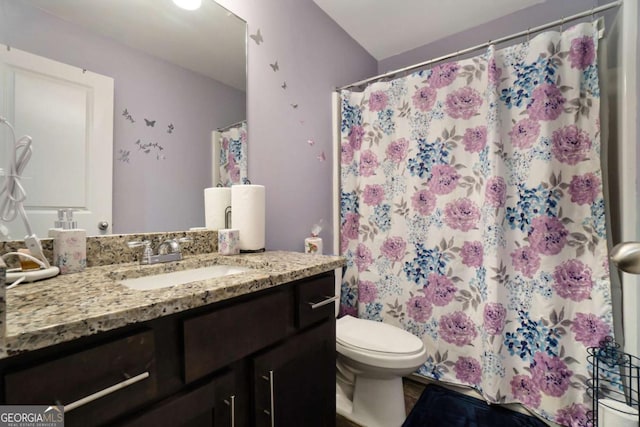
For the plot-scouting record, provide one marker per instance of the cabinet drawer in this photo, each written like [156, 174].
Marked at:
[314, 300]
[216, 339]
[124, 369]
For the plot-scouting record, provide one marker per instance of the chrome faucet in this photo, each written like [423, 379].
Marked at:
[168, 251]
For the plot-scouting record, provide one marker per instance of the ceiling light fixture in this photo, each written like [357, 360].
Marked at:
[188, 4]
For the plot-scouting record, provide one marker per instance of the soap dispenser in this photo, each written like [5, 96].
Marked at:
[69, 243]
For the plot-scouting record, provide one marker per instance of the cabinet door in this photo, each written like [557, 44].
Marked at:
[294, 383]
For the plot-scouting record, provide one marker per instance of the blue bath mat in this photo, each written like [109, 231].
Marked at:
[441, 407]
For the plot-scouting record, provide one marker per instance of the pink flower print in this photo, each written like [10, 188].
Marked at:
[346, 155]
[234, 175]
[525, 390]
[468, 370]
[572, 279]
[368, 163]
[550, 374]
[394, 248]
[524, 133]
[443, 75]
[424, 98]
[475, 139]
[494, 318]
[494, 72]
[378, 100]
[582, 52]
[457, 328]
[444, 179]
[548, 235]
[496, 191]
[472, 254]
[351, 226]
[463, 103]
[373, 194]
[367, 291]
[589, 329]
[574, 415]
[526, 260]
[419, 308]
[439, 290]
[584, 189]
[570, 145]
[461, 214]
[362, 257]
[356, 133]
[225, 143]
[346, 310]
[547, 102]
[397, 150]
[424, 202]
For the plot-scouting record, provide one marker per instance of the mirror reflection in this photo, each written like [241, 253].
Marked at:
[179, 109]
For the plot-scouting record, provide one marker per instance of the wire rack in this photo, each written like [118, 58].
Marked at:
[615, 377]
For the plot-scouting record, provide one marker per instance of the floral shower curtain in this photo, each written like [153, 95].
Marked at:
[472, 215]
[233, 155]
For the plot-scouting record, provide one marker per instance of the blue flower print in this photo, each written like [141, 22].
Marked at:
[381, 217]
[426, 261]
[351, 115]
[429, 154]
[386, 121]
[530, 338]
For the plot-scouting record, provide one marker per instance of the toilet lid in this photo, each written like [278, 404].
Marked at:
[376, 336]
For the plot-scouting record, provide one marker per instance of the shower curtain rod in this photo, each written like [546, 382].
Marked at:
[232, 125]
[527, 32]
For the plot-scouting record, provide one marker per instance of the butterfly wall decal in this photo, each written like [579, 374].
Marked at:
[170, 128]
[151, 123]
[124, 155]
[275, 66]
[128, 116]
[322, 157]
[294, 106]
[283, 85]
[310, 141]
[257, 37]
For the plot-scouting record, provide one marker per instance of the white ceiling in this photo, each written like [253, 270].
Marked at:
[388, 27]
[216, 39]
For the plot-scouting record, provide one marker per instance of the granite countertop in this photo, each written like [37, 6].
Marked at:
[66, 307]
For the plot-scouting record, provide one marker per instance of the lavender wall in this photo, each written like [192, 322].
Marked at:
[530, 17]
[314, 56]
[161, 190]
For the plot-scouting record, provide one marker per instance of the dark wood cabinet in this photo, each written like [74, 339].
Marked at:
[248, 361]
[294, 383]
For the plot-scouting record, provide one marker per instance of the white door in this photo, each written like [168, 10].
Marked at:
[68, 112]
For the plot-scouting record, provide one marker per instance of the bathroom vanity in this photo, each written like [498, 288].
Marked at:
[249, 349]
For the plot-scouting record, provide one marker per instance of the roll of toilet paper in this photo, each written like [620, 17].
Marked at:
[216, 201]
[248, 215]
[612, 413]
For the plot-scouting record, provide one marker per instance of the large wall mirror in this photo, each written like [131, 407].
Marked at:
[178, 108]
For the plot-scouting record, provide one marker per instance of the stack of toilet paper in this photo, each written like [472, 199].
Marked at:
[247, 204]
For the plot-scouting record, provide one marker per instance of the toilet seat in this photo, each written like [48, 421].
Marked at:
[378, 344]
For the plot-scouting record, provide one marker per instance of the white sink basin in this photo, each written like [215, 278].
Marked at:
[165, 280]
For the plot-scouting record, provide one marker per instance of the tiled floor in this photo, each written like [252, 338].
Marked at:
[412, 392]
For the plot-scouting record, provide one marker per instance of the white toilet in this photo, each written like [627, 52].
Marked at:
[372, 357]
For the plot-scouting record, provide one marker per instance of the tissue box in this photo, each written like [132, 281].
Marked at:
[69, 250]
[228, 241]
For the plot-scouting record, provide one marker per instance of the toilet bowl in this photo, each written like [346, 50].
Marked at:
[372, 358]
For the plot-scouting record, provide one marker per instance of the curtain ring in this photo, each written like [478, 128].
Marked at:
[562, 24]
[528, 34]
[593, 16]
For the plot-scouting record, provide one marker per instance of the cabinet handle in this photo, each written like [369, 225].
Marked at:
[97, 395]
[232, 405]
[272, 402]
[322, 303]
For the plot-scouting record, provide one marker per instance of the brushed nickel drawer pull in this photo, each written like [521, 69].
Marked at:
[97, 395]
[322, 303]
[273, 418]
[232, 409]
